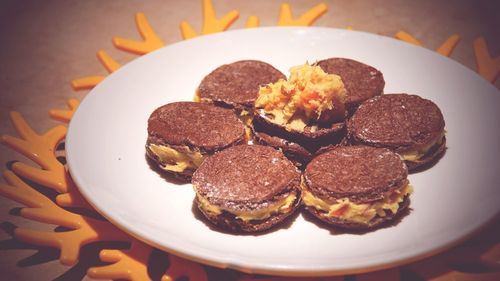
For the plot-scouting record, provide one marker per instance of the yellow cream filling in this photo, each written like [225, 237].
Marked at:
[417, 154]
[309, 96]
[360, 213]
[280, 207]
[246, 118]
[182, 160]
[197, 97]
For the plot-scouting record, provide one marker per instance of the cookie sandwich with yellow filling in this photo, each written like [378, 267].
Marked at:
[182, 134]
[407, 124]
[301, 114]
[235, 85]
[360, 80]
[247, 188]
[356, 187]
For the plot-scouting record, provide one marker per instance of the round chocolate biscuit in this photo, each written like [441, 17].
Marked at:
[362, 174]
[360, 80]
[236, 85]
[248, 179]
[193, 127]
[401, 122]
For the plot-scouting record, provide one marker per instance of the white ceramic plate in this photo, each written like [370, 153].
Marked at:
[106, 155]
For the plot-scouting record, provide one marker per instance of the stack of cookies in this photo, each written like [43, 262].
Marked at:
[258, 146]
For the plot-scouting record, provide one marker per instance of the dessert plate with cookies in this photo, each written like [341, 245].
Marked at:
[291, 151]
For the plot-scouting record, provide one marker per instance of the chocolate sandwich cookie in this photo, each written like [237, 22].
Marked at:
[235, 85]
[247, 188]
[361, 81]
[302, 114]
[356, 187]
[407, 124]
[300, 148]
[182, 134]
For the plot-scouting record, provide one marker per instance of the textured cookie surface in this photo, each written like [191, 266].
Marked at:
[399, 121]
[237, 84]
[360, 173]
[245, 176]
[199, 125]
[360, 80]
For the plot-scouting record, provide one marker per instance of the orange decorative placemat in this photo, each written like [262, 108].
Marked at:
[79, 225]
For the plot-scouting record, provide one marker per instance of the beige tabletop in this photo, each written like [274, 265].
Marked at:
[46, 44]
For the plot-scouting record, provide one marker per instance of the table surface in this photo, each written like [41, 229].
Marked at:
[46, 44]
